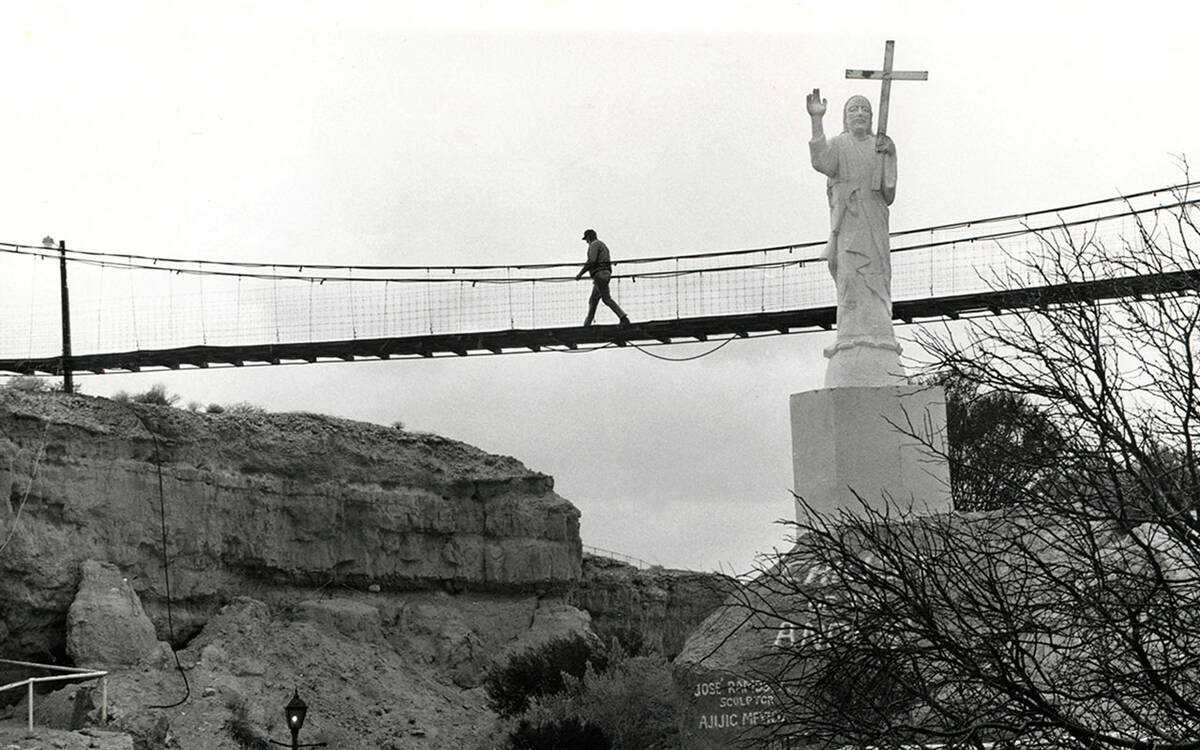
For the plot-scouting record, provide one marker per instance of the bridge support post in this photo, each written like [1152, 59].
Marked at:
[68, 376]
[878, 447]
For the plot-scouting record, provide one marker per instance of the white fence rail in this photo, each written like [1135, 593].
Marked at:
[72, 673]
[619, 557]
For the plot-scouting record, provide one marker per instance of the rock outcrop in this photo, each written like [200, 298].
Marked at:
[721, 665]
[15, 736]
[659, 607]
[380, 572]
[106, 624]
[250, 499]
[378, 670]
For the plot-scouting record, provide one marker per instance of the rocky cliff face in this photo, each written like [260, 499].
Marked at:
[378, 571]
[248, 500]
[379, 670]
[657, 606]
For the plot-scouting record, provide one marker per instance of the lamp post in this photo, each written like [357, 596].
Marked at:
[294, 712]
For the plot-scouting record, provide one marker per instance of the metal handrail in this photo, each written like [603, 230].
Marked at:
[75, 673]
[637, 562]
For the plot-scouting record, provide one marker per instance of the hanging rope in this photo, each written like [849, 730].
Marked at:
[33, 475]
[311, 286]
[137, 342]
[677, 277]
[203, 319]
[100, 312]
[353, 310]
[429, 304]
[511, 323]
[387, 315]
[237, 309]
[32, 308]
[275, 304]
[162, 516]
[714, 350]
[762, 295]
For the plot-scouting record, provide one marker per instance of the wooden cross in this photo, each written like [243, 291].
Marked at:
[887, 75]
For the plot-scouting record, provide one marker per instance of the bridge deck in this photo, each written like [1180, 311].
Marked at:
[131, 313]
[644, 332]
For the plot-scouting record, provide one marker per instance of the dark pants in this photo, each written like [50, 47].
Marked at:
[600, 294]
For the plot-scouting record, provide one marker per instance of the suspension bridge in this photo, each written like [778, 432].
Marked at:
[132, 312]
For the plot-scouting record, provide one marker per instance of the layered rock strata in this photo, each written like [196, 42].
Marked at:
[658, 607]
[249, 499]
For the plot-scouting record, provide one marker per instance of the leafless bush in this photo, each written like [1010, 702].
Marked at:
[1070, 615]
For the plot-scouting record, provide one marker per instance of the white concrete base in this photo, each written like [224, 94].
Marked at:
[849, 447]
[854, 364]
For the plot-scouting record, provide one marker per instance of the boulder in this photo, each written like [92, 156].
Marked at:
[106, 625]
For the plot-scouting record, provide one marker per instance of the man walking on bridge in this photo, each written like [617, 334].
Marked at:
[599, 265]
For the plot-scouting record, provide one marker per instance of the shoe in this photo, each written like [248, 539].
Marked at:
[624, 321]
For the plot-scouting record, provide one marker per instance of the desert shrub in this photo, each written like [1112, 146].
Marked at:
[194, 406]
[568, 733]
[539, 672]
[214, 409]
[630, 639]
[635, 703]
[155, 394]
[122, 397]
[244, 409]
[28, 383]
[398, 425]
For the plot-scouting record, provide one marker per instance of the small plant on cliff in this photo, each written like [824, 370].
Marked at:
[156, 395]
[28, 383]
[539, 672]
[629, 638]
[244, 409]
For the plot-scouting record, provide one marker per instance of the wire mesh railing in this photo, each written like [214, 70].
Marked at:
[135, 302]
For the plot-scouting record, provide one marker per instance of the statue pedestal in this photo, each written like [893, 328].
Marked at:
[855, 445]
[856, 363]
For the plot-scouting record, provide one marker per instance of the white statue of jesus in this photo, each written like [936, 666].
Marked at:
[861, 172]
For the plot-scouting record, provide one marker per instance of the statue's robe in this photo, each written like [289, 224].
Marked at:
[858, 244]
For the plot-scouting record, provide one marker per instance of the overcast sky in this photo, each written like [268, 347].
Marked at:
[477, 132]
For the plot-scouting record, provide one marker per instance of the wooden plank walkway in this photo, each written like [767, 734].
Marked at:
[638, 333]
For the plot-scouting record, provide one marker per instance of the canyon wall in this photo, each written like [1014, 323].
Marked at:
[248, 499]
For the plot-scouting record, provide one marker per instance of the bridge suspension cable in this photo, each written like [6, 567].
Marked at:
[179, 265]
[136, 303]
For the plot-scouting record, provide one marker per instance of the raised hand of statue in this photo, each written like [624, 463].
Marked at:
[816, 105]
[884, 144]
